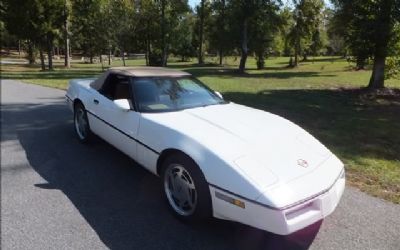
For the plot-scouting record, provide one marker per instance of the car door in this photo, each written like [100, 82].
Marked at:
[117, 126]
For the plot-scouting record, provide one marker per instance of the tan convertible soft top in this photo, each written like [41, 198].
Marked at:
[137, 71]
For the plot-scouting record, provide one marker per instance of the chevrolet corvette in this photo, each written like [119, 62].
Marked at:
[215, 158]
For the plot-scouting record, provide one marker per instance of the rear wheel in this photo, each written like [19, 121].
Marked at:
[185, 188]
[81, 123]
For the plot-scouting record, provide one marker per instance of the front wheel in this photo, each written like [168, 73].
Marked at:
[186, 189]
[81, 123]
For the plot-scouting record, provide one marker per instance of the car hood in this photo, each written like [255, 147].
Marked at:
[270, 150]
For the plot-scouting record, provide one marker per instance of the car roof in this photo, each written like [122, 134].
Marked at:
[147, 71]
[137, 72]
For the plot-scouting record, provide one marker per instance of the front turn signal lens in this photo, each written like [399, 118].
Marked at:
[229, 199]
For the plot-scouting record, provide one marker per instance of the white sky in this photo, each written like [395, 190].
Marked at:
[193, 3]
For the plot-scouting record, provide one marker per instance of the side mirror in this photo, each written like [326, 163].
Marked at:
[219, 94]
[123, 104]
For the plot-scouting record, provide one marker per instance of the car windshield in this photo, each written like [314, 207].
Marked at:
[163, 94]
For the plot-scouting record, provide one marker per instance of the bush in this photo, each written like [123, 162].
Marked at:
[392, 68]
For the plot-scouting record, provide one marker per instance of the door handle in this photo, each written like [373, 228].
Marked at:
[96, 101]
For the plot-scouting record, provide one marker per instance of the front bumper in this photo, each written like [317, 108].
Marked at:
[279, 221]
[70, 102]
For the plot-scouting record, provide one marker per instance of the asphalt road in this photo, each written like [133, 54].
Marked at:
[59, 194]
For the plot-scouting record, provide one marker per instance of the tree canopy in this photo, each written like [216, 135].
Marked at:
[370, 31]
[366, 30]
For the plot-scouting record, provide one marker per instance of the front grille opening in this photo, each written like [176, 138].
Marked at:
[301, 210]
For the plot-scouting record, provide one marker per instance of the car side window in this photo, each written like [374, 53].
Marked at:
[116, 87]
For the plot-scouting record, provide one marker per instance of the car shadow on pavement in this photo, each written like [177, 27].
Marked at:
[120, 200]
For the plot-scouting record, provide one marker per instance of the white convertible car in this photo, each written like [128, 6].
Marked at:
[215, 158]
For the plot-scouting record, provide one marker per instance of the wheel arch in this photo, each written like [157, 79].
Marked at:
[168, 152]
[78, 101]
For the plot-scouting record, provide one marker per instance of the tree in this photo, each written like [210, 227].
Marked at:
[38, 22]
[318, 42]
[182, 45]
[48, 23]
[356, 30]
[202, 29]
[265, 23]
[241, 12]
[286, 15]
[20, 23]
[163, 35]
[66, 14]
[244, 18]
[336, 44]
[201, 14]
[7, 39]
[171, 12]
[219, 31]
[148, 33]
[370, 31]
[88, 28]
[158, 19]
[120, 15]
[307, 18]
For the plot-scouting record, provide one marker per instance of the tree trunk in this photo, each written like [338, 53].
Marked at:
[378, 74]
[163, 42]
[19, 48]
[31, 53]
[291, 62]
[147, 43]
[109, 57]
[101, 61]
[42, 64]
[123, 56]
[244, 48]
[147, 51]
[296, 53]
[360, 61]
[222, 33]
[50, 52]
[201, 29]
[260, 60]
[221, 56]
[67, 62]
[91, 58]
[382, 39]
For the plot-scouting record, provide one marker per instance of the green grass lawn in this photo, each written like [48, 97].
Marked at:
[321, 96]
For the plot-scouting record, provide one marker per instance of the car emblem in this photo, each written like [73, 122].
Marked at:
[302, 163]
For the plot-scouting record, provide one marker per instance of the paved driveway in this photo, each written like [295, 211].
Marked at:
[59, 194]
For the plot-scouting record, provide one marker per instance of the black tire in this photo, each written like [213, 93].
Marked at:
[203, 208]
[82, 132]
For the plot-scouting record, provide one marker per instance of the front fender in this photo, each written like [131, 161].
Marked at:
[219, 170]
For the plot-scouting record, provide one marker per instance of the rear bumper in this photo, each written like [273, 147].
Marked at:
[279, 221]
